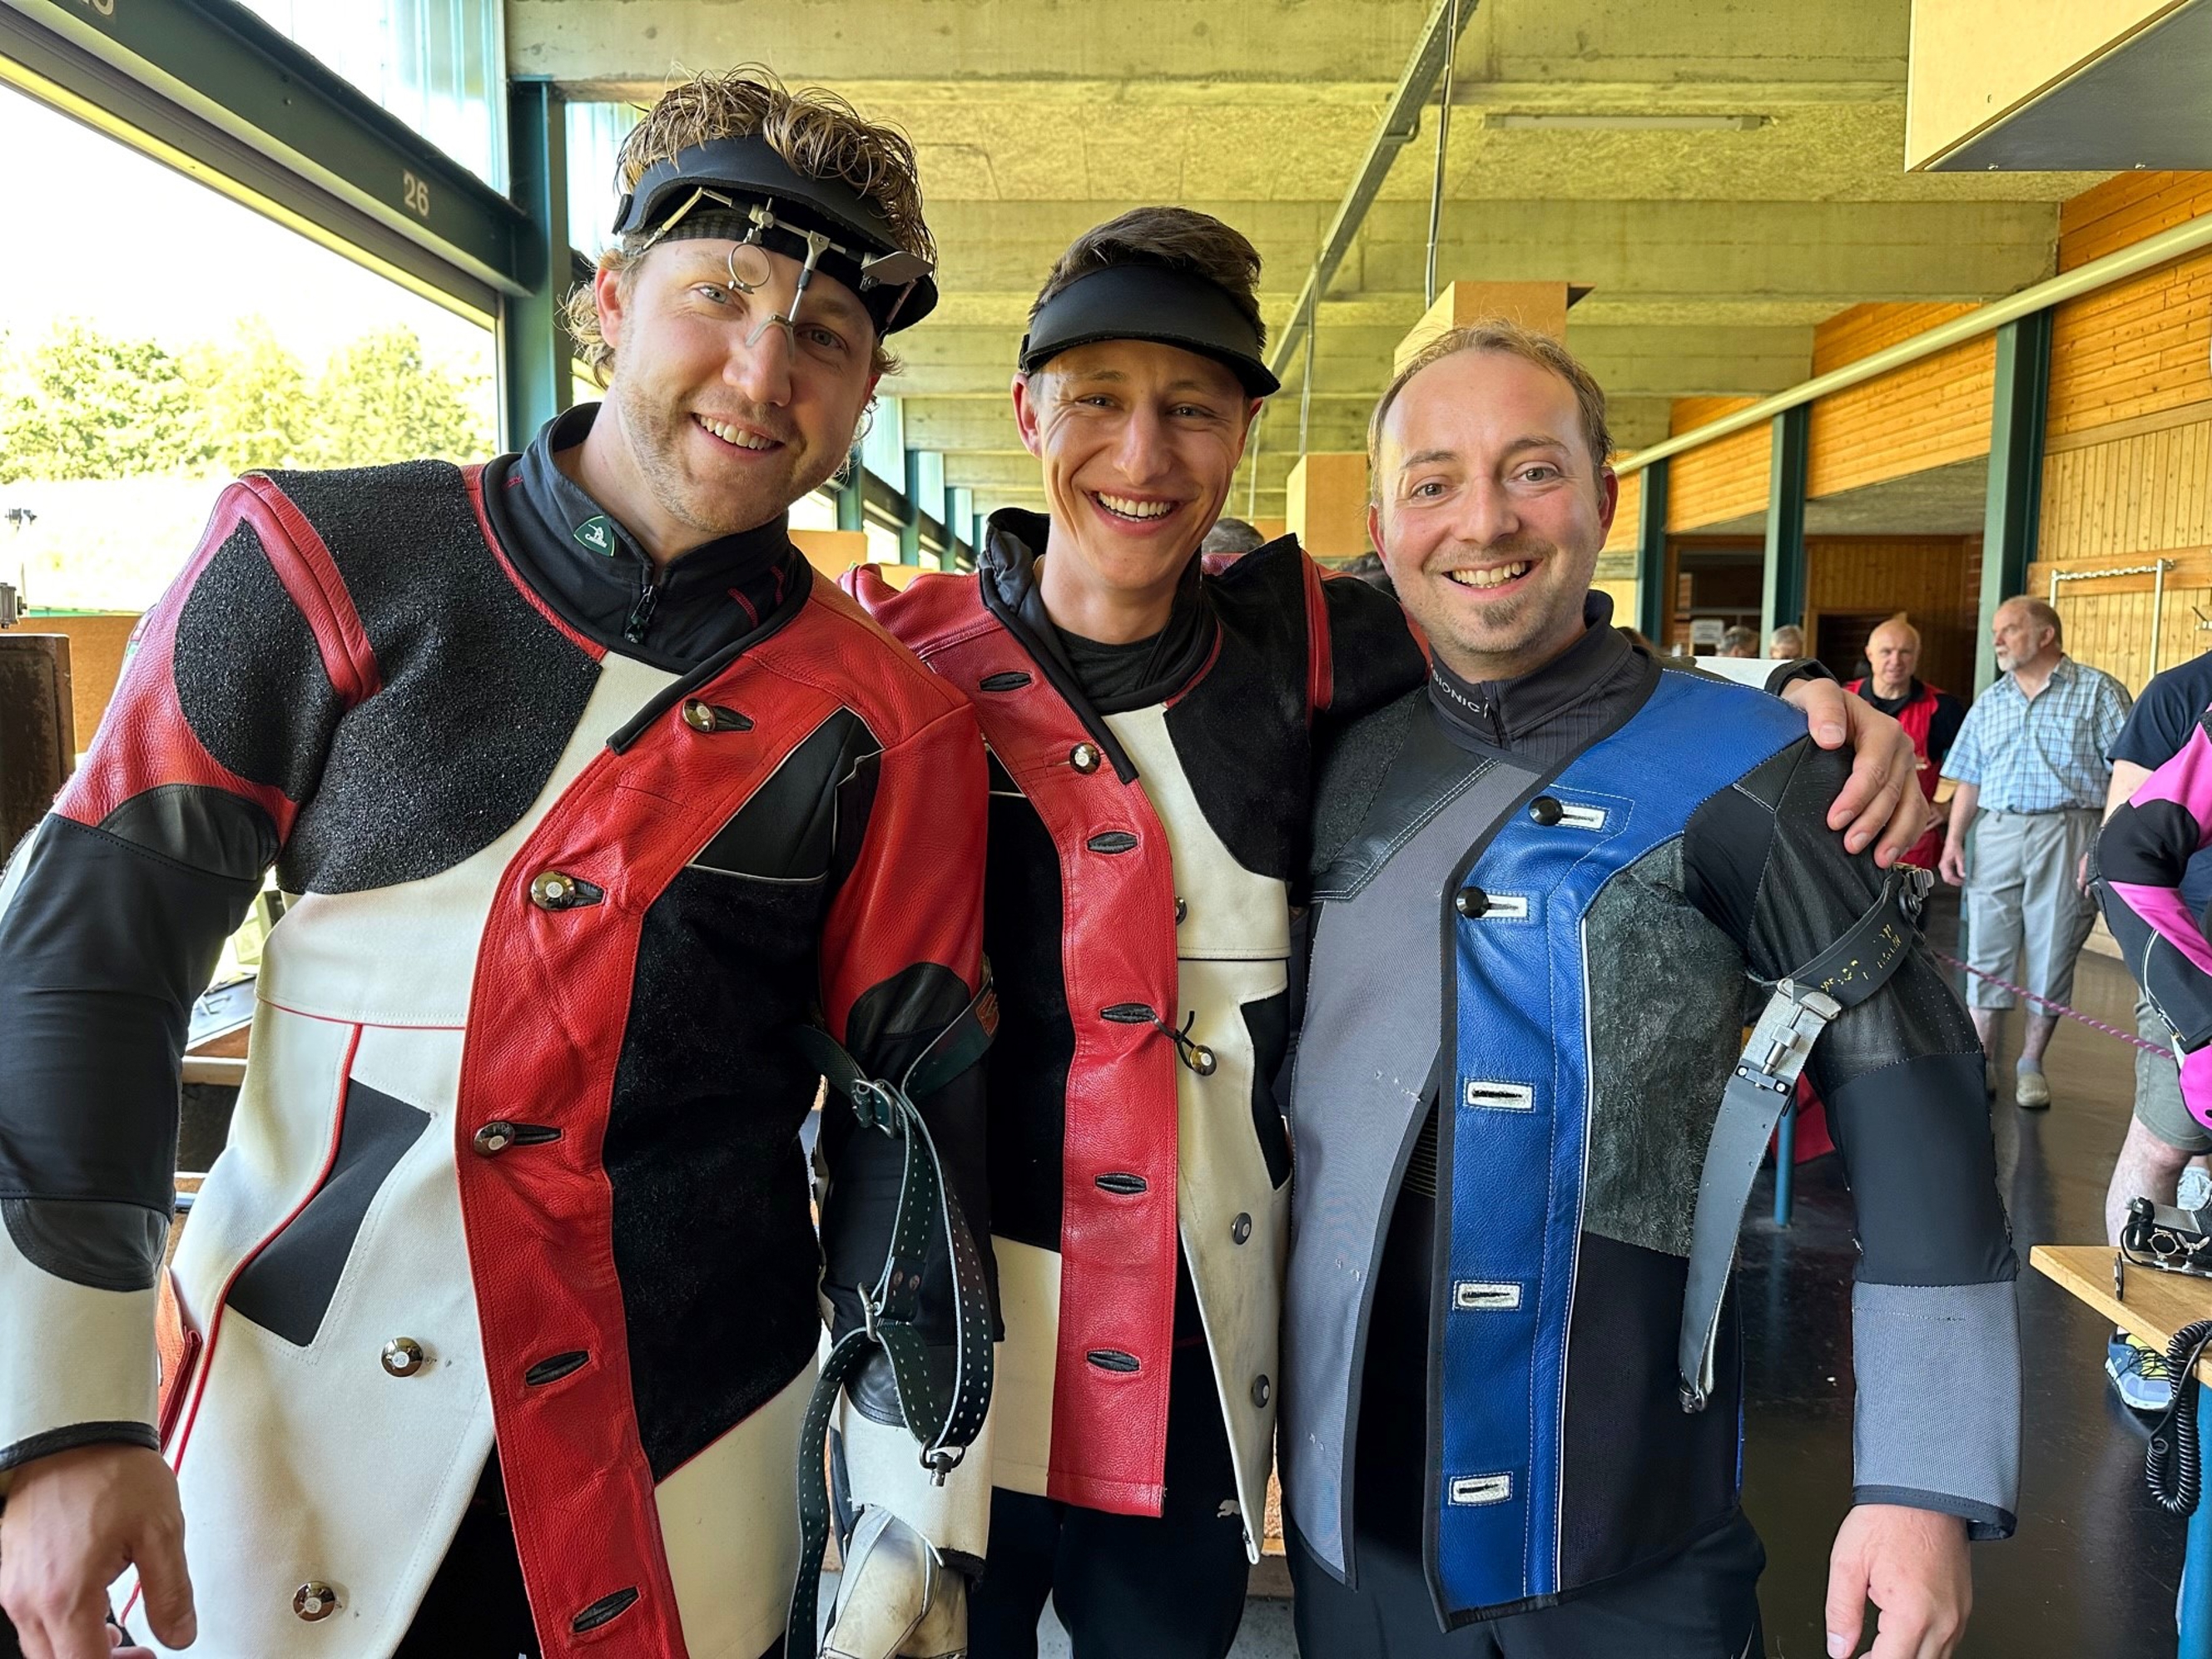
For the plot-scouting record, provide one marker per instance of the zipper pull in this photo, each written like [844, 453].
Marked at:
[641, 614]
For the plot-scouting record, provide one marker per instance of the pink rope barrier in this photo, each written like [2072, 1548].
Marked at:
[2059, 1008]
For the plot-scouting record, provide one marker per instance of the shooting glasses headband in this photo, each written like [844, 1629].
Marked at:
[1149, 302]
[818, 221]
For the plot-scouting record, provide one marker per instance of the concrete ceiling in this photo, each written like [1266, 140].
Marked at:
[1711, 253]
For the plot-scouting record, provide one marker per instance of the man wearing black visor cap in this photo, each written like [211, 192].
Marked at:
[1152, 726]
[608, 831]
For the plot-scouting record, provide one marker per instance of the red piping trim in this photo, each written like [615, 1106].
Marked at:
[1321, 667]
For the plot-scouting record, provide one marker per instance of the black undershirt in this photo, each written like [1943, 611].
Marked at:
[582, 562]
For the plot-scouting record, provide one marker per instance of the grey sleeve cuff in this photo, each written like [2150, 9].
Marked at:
[1938, 1420]
[1797, 668]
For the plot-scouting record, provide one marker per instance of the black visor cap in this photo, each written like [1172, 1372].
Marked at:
[747, 168]
[1149, 302]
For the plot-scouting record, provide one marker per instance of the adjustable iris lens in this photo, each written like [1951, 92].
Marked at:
[749, 267]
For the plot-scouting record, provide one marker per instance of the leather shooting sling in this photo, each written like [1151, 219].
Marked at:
[1760, 1089]
[944, 1419]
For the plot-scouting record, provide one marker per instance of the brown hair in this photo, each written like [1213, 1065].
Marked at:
[817, 132]
[1504, 335]
[1179, 238]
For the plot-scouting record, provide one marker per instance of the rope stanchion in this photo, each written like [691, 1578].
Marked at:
[2058, 1008]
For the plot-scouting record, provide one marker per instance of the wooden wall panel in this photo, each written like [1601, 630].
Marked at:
[2125, 209]
[2108, 626]
[1864, 330]
[2133, 349]
[1926, 414]
[1627, 517]
[1687, 414]
[2143, 492]
[1722, 480]
[1923, 576]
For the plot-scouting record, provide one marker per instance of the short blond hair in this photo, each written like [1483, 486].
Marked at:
[815, 132]
[1499, 334]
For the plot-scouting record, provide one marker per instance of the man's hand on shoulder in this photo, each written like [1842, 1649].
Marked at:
[1911, 1565]
[1881, 799]
[75, 1521]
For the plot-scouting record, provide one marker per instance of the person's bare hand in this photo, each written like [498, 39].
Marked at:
[1911, 1565]
[75, 1521]
[1952, 866]
[1881, 798]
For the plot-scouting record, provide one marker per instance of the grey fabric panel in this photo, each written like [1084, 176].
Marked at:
[1373, 1016]
[1661, 1046]
[1939, 1397]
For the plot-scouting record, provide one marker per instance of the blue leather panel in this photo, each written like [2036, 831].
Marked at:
[1517, 1171]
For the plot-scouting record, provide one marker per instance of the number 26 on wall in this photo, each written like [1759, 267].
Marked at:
[416, 192]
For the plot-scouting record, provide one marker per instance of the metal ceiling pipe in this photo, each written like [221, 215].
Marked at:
[2183, 240]
[1401, 120]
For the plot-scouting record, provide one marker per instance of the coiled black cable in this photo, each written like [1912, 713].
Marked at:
[2174, 1464]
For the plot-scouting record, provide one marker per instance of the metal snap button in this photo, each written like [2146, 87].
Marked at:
[1261, 1390]
[403, 1356]
[1084, 757]
[1544, 810]
[698, 715]
[314, 1601]
[1470, 901]
[551, 890]
[495, 1137]
[1241, 1229]
[1182, 911]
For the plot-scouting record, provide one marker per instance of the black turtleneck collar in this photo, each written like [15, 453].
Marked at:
[1503, 715]
[589, 568]
[1111, 678]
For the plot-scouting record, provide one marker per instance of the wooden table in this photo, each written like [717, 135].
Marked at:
[2152, 1305]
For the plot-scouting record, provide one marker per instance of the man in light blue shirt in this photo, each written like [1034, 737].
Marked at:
[2030, 761]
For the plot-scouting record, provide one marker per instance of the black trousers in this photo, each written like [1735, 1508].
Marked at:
[1701, 1604]
[1125, 1586]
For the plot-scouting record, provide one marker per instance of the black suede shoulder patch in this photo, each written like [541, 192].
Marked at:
[1350, 763]
[249, 677]
[479, 692]
[1240, 730]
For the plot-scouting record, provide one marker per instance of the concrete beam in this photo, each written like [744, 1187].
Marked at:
[631, 42]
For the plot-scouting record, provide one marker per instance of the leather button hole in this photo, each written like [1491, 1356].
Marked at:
[1126, 1185]
[1112, 1359]
[554, 1369]
[1012, 680]
[1113, 840]
[606, 1607]
[713, 717]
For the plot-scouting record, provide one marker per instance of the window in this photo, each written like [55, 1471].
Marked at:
[439, 66]
[140, 373]
[596, 133]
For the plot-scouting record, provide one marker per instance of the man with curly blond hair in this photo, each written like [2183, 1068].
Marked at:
[495, 1328]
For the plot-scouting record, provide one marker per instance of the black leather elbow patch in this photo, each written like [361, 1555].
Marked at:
[102, 1245]
[208, 828]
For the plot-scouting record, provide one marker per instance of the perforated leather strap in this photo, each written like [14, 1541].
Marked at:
[943, 1420]
[1760, 1089]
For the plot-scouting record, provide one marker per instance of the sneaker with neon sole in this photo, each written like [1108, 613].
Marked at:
[2139, 1374]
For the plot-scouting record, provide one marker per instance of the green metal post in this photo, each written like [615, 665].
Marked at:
[1653, 604]
[1782, 600]
[849, 494]
[910, 524]
[536, 382]
[2014, 506]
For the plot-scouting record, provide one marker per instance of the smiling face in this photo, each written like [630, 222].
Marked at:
[1139, 442]
[726, 417]
[1491, 511]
